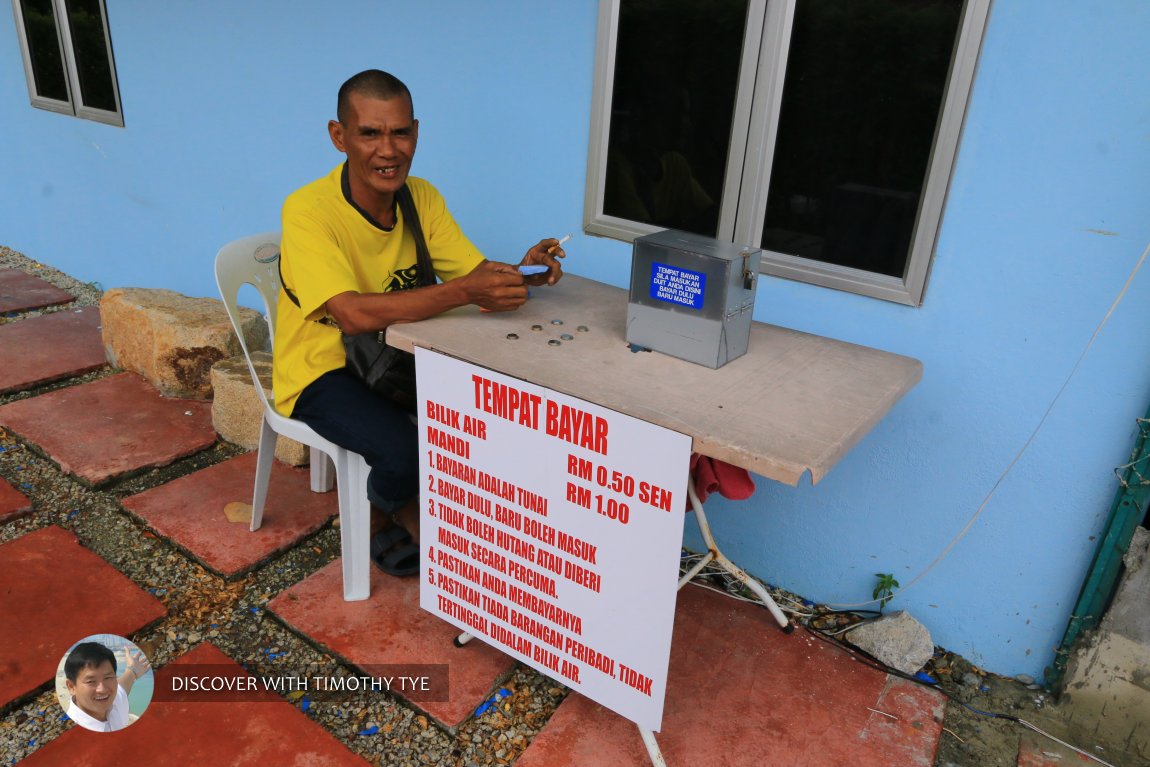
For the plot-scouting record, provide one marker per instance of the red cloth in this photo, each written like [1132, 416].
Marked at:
[711, 475]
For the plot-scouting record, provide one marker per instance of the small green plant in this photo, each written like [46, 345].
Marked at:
[884, 589]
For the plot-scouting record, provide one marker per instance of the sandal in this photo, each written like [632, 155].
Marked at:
[393, 551]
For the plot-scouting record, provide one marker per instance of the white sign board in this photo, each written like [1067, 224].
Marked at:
[551, 529]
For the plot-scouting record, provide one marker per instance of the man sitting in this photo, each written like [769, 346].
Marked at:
[350, 262]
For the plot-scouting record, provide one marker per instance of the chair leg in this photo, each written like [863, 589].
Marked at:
[322, 476]
[264, 458]
[354, 525]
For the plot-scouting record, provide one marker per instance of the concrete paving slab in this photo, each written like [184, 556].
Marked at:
[111, 427]
[190, 512]
[742, 693]
[58, 592]
[50, 347]
[177, 734]
[13, 503]
[389, 628]
[20, 291]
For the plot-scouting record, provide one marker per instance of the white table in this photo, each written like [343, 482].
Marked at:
[794, 403]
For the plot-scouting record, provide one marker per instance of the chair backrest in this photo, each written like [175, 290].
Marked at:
[251, 261]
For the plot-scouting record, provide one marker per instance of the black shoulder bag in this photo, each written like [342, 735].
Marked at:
[387, 371]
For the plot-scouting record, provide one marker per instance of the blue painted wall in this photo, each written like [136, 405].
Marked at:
[226, 105]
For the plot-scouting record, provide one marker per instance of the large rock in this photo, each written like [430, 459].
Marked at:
[897, 640]
[237, 411]
[173, 340]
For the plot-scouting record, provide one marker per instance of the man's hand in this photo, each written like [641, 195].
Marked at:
[495, 286]
[136, 662]
[135, 666]
[545, 252]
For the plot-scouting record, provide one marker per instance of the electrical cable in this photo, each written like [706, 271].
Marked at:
[1026, 445]
[860, 656]
[871, 662]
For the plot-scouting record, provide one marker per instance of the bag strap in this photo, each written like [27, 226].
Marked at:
[425, 272]
[411, 219]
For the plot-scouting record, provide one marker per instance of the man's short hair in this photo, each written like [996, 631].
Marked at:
[87, 654]
[374, 83]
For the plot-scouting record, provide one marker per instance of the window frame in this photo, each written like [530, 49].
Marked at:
[73, 105]
[754, 128]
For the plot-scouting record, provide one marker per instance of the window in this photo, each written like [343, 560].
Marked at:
[68, 57]
[824, 131]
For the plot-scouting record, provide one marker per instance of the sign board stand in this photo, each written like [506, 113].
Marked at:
[550, 528]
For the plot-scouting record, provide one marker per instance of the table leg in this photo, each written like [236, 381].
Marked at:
[714, 555]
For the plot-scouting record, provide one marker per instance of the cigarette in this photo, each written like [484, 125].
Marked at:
[556, 245]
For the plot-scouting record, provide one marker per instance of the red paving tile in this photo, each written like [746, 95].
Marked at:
[111, 427]
[58, 592]
[13, 503]
[179, 734]
[742, 693]
[20, 290]
[390, 628]
[190, 511]
[50, 347]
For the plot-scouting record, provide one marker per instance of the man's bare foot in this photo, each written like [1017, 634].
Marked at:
[408, 517]
[379, 520]
[395, 539]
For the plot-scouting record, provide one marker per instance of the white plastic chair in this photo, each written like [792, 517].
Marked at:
[255, 261]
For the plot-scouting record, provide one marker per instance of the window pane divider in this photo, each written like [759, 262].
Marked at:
[944, 149]
[594, 222]
[755, 172]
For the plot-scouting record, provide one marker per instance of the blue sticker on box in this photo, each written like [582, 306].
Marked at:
[678, 286]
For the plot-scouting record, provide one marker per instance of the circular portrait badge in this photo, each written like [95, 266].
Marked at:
[104, 683]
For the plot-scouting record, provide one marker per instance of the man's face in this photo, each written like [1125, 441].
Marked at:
[95, 689]
[379, 139]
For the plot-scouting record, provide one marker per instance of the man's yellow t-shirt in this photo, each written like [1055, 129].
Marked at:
[331, 246]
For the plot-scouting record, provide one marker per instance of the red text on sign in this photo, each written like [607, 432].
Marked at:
[577, 427]
[443, 414]
[634, 679]
[655, 495]
[507, 402]
[579, 467]
[448, 442]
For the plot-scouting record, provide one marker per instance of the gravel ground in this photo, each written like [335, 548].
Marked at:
[203, 606]
[389, 731]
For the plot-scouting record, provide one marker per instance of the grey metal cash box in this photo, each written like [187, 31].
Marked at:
[692, 296]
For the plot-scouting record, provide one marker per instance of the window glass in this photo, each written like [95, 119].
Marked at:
[68, 58]
[864, 86]
[825, 131]
[44, 49]
[90, 44]
[676, 72]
